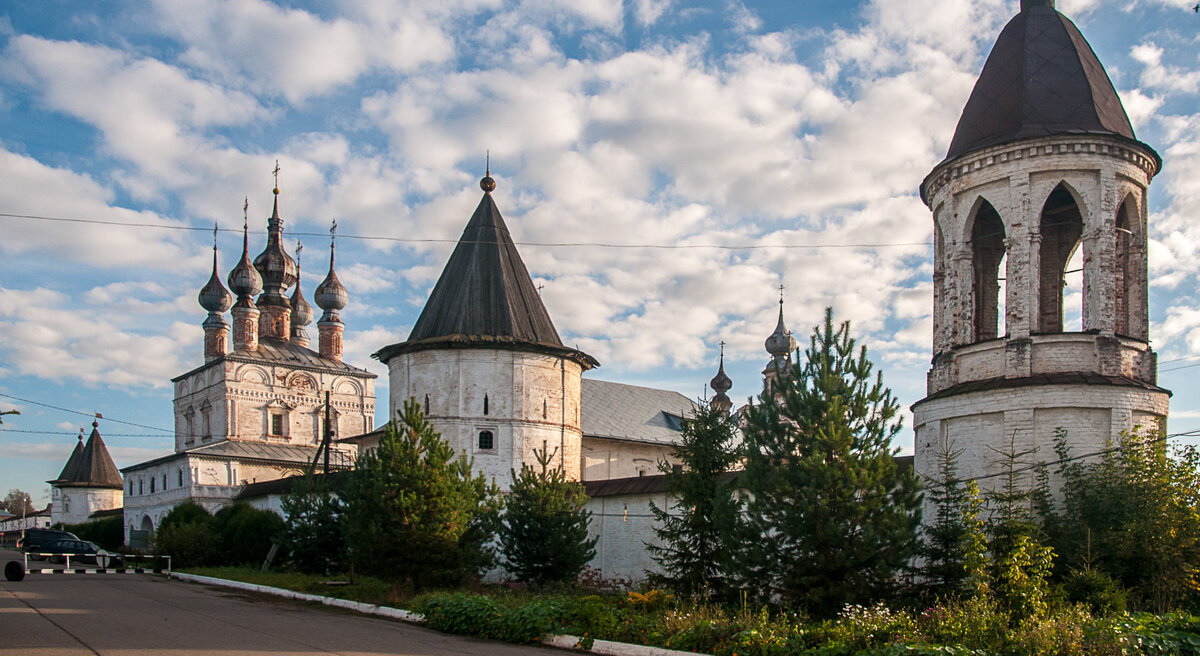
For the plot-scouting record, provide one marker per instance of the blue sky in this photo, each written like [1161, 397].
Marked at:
[795, 134]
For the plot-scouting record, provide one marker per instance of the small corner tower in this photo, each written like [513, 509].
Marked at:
[486, 362]
[780, 345]
[302, 312]
[278, 271]
[88, 483]
[331, 297]
[245, 282]
[1043, 170]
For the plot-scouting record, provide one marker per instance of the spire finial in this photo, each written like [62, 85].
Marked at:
[487, 184]
[1027, 4]
[276, 172]
[299, 248]
[214, 236]
[246, 213]
[781, 293]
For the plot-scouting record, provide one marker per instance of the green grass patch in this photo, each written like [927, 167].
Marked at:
[363, 589]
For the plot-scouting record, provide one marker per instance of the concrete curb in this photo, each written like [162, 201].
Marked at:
[604, 647]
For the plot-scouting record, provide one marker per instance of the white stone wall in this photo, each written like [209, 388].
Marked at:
[1023, 418]
[625, 526]
[605, 459]
[526, 400]
[74, 505]
[239, 399]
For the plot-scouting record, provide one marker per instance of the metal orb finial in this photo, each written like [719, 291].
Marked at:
[487, 183]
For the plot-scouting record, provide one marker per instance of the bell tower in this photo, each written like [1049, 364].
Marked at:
[1043, 171]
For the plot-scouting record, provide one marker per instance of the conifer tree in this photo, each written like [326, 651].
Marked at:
[697, 533]
[544, 533]
[946, 539]
[415, 511]
[835, 518]
[313, 535]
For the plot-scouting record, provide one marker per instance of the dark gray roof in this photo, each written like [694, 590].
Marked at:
[248, 450]
[278, 351]
[336, 481]
[90, 466]
[629, 412]
[1041, 79]
[485, 298]
[1069, 378]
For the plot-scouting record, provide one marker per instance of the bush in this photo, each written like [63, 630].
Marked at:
[484, 617]
[245, 533]
[108, 533]
[188, 545]
[1101, 593]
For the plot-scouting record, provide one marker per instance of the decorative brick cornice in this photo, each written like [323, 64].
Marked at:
[1137, 153]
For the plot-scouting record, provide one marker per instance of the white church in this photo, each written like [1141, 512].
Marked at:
[1044, 163]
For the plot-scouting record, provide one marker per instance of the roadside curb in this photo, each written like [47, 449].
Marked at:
[604, 647]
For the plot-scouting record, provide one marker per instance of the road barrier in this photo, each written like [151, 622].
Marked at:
[14, 571]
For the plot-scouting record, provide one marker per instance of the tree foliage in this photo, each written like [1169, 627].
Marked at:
[18, 502]
[544, 533]
[1134, 514]
[186, 535]
[415, 511]
[313, 535]
[697, 534]
[946, 540]
[245, 533]
[836, 515]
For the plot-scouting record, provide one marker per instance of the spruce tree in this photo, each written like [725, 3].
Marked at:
[313, 536]
[835, 517]
[415, 511]
[544, 533]
[946, 539]
[697, 533]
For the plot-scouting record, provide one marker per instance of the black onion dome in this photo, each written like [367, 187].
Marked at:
[244, 280]
[213, 296]
[1042, 78]
[331, 294]
[721, 382]
[781, 341]
[277, 268]
[302, 312]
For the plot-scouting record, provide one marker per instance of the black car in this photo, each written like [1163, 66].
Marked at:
[35, 538]
[81, 551]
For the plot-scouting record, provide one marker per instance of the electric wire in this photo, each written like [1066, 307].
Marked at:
[85, 414]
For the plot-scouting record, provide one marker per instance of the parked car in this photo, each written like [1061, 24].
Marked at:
[35, 538]
[81, 551]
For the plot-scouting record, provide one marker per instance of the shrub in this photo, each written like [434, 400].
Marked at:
[109, 532]
[188, 545]
[1101, 593]
[245, 533]
[484, 617]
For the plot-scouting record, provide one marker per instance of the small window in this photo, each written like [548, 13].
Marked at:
[179, 477]
[131, 487]
[486, 441]
[485, 404]
[141, 486]
[277, 425]
[152, 484]
[164, 481]
[545, 406]
[426, 404]
[676, 469]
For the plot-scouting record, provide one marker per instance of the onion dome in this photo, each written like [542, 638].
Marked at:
[1041, 79]
[302, 312]
[277, 268]
[781, 343]
[721, 382]
[244, 280]
[214, 297]
[331, 296]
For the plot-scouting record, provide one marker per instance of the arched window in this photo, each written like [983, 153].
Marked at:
[1127, 283]
[485, 404]
[487, 441]
[141, 486]
[152, 479]
[427, 404]
[1061, 227]
[987, 254]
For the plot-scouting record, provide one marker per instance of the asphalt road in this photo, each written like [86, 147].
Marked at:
[142, 614]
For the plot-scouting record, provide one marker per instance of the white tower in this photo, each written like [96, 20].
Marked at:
[1044, 163]
[486, 362]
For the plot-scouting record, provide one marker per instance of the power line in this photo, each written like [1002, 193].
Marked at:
[86, 414]
[410, 240]
[72, 433]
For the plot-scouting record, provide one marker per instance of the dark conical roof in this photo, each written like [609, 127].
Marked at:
[485, 288]
[485, 296]
[1041, 79]
[93, 468]
[68, 470]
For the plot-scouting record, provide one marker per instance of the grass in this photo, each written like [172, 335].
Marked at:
[364, 589]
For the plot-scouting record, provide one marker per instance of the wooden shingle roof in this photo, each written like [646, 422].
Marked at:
[90, 466]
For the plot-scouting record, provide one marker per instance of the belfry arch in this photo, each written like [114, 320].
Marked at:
[1060, 230]
[1129, 266]
[987, 242]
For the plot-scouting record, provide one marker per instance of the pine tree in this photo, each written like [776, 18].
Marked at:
[697, 534]
[415, 512]
[946, 539]
[1019, 562]
[314, 536]
[834, 517]
[544, 533]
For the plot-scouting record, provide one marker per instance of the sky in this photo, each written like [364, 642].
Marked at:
[664, 165]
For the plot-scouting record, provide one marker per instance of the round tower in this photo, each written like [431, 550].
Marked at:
[1044, 170]
[486, 363]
